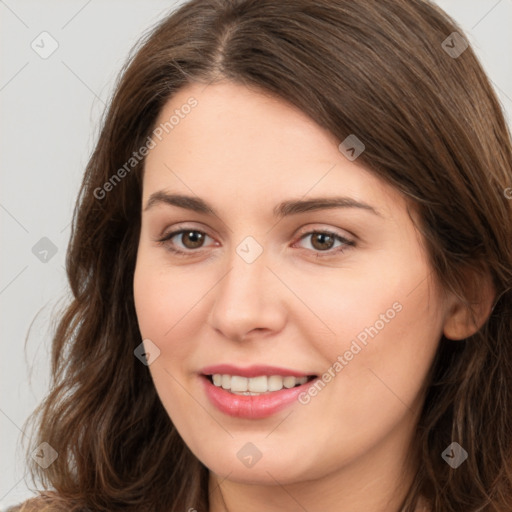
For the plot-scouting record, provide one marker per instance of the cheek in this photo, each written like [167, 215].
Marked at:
[164, 303]
[171, 305]
[378, 305]
[164, 297]
[387, 325]
[384, 364]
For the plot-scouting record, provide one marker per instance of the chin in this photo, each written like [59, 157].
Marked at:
[268, 470]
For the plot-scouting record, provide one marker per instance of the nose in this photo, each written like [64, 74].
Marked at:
[248, 300]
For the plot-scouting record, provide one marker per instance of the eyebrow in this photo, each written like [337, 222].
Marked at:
[286, 208]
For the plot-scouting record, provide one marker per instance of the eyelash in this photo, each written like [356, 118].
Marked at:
[320, 254]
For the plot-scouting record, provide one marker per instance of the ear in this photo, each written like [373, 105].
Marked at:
[465, 317]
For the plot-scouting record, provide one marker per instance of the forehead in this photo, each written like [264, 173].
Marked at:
[240, 142]
[233, 115]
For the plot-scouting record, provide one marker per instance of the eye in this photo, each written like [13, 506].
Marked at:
[190, 240]
[324, 241]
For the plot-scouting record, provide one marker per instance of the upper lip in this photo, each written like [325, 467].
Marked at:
[253, 371]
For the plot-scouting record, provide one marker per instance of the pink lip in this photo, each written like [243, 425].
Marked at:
[252, 371]
[252, 407]
[256, 406]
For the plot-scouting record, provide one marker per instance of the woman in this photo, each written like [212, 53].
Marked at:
[291, 265]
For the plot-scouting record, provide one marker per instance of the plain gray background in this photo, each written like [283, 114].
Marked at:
[50, 110]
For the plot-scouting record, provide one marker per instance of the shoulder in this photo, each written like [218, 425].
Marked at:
[26, 506]
[32, 505]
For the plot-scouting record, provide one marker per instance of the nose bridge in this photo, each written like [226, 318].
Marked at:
[246, 298]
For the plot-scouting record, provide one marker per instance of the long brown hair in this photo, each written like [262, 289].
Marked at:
[432, 127]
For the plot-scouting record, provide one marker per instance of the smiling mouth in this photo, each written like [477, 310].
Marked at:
[252, 386]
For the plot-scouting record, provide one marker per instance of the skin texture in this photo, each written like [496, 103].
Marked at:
[346, 449]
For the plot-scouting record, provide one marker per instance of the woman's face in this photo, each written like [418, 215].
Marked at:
[258, 292]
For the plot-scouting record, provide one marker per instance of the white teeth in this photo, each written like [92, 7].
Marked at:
[256, 385]
[289, 382]
[275, 383]
[238, 383]
[226, 382]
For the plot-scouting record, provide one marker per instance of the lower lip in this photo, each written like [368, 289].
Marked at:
[252, 406]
